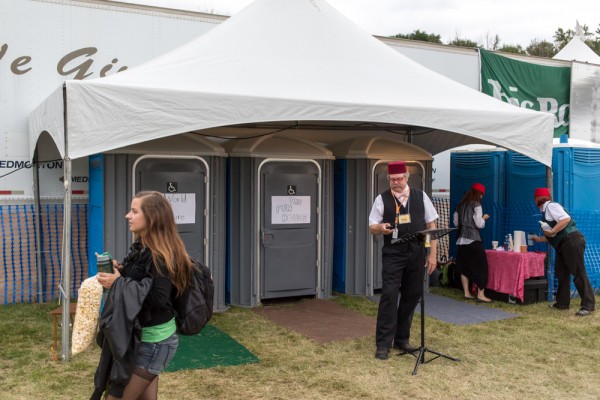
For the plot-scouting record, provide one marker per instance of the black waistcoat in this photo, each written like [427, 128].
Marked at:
[414, 205]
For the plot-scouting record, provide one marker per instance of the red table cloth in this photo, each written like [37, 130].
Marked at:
[508, 270]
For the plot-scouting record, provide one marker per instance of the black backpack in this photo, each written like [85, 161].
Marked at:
[194, 308]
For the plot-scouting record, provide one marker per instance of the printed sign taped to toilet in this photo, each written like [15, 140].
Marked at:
[290, 210]
[184, 207]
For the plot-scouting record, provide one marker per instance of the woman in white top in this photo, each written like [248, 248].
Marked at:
[471, 261]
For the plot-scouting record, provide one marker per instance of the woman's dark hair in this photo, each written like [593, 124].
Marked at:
[471, 195]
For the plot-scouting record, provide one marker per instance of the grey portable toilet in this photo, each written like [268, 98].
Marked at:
[190, 170]
[360, 175]
[280, 235]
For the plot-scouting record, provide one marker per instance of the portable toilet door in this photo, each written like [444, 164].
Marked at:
[184, 182]
[279, 236]
[289, 225]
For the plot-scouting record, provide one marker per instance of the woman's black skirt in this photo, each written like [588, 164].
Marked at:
[471, 262]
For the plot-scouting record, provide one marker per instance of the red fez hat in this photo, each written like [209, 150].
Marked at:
[479, 187]
[541, 192]
[396, 167]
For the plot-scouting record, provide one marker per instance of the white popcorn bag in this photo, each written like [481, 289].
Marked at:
[86, 315]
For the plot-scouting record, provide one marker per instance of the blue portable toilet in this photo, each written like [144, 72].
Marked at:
[577, 174]
[487, 167]
[523, 175]
[576, 166]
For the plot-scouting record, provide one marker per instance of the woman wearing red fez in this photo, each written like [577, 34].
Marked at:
[569, 244]
[471, 261]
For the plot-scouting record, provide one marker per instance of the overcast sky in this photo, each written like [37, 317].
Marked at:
[515, 21]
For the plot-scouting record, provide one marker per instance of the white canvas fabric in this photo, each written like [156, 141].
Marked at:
[285, 60]
[577, 50]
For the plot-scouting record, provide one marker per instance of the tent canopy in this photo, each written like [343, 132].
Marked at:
[297, 65]
[577, 50]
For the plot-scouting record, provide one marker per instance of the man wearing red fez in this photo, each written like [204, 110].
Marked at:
[398, 211]
[562, 234]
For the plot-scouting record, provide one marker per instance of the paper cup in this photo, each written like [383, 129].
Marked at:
[494, 244]
[524, 248]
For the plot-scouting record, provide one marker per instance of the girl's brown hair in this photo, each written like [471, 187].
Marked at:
[163, 240]
[471, 195]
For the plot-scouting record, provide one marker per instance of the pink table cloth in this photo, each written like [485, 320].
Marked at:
[508, 270]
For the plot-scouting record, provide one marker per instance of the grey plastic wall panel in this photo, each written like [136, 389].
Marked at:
[324, 291]
[218, 227]
[356, 214]
[117, 195]
[241, 234]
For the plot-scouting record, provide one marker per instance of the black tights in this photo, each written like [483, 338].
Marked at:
[143, 385]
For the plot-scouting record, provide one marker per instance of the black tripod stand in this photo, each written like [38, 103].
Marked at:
[425, 237]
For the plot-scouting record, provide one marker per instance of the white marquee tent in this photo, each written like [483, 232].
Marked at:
[577, 50]
[282, 60]
[297, 62]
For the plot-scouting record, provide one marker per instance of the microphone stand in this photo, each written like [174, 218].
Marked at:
[425, 237]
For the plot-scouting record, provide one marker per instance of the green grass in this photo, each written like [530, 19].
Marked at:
[542, 354]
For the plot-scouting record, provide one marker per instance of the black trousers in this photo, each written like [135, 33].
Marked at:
[402, 274]
[569, 261]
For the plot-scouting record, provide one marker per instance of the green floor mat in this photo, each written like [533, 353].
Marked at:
[210, 348]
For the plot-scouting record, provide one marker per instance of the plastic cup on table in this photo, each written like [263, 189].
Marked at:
[494, 244]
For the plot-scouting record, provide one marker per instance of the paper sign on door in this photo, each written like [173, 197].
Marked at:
[290, 209]
[184, 207]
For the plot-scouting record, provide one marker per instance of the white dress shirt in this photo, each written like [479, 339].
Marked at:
[376, 215]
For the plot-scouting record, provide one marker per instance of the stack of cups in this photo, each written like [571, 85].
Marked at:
[520, 244]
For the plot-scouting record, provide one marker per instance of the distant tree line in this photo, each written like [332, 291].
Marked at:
[540, 48]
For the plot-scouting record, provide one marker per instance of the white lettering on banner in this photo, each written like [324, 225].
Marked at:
[290, 210]
[184, 207]
[547, 104]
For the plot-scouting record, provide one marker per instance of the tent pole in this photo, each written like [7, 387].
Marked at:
[37, 222]
[65, 287]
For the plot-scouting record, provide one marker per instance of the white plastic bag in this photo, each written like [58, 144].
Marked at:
[86, 315]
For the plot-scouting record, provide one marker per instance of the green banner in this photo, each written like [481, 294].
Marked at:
[526, 85]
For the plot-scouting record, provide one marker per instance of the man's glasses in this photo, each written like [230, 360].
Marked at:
[396, 179]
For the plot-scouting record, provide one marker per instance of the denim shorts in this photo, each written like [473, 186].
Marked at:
[154, 357]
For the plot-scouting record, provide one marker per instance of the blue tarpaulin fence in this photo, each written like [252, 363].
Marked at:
[19, 278]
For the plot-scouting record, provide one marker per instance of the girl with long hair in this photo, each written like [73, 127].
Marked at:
[157, 253]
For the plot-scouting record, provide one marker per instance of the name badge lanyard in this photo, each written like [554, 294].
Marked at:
[397, 219]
